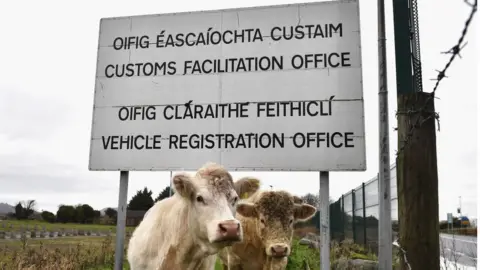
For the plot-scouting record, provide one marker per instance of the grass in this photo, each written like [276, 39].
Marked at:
[68, 253]
[56, 226]
[52, 243]
[97, 253]
[301, 254]
[65, 253]
[342, 252]
[218, 265]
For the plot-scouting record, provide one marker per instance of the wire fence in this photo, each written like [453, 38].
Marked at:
[418, 117]
[355, 215]
[422, 115]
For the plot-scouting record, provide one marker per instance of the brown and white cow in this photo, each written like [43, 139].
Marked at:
[267, 219]
[187, 230]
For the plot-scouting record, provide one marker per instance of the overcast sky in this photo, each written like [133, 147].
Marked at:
[48, 62]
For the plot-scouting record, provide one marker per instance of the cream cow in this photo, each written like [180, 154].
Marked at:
[187, 230]
[267, 219]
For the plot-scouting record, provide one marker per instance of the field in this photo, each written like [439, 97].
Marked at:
[93, 253]
[97, 252]
[56, 245]
[65, 253]
[18, 224]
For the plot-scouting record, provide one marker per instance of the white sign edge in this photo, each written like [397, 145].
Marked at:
[315, 3]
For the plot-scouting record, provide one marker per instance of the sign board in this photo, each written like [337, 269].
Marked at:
[449, 218]
[264, 88]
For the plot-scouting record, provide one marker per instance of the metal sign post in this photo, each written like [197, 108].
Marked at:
[449, 221]
[121, 219]
[385, 222]
[324, 221]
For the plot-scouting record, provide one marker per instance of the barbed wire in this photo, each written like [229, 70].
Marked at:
[404, 253]
[454, 51]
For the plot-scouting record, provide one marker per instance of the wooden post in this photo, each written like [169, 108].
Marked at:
[417, 181]
[417, 177]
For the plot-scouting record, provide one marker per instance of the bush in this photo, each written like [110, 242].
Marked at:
[341, 253]
[462, 231]
[48, 216]
[443, 225]
[468, 231]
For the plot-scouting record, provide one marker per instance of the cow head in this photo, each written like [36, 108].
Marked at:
[275, 213]
[211, 197]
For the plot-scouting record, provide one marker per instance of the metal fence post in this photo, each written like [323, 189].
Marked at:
[343, 220]
[364, 216]
[353, 217]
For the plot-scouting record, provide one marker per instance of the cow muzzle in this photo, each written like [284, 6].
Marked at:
[228, 231]
[278, 250]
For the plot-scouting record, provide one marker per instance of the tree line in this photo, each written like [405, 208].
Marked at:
[84, 213]
[142, 200]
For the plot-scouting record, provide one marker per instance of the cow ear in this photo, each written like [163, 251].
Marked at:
[183, 185]
[247, 210]
[304, 212]
[246, 186]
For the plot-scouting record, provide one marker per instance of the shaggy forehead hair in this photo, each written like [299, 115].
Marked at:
[217, 178]
[276, 203]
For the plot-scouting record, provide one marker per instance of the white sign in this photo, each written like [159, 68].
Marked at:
[449, 218]
[265, 88]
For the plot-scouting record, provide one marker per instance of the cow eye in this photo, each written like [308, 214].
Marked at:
[291, 221]
[200, 199]
[235, 200]
[262, 221]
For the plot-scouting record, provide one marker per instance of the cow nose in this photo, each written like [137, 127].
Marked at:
[279, 250]
[229, 229]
